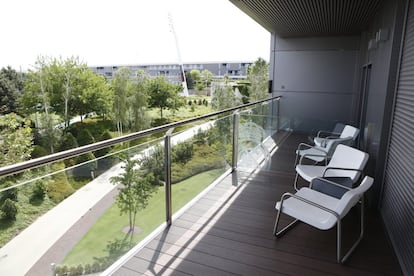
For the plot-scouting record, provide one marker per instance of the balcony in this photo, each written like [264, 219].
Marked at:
[224, 228]
[229, 231]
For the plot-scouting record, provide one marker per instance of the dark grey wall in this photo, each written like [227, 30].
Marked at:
[317, 78]
[384, 60]
[380, 58]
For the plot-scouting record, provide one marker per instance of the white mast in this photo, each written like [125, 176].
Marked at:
[183, 79]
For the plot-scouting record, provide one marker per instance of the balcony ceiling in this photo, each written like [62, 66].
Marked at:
[292, 18]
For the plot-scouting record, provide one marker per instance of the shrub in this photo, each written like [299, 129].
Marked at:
[85, 137]
[182, 152]
[38, 151]
[9, 194]
[88, 269]
[58, 187]
[68, 142]
[159, 122]
[9, 209]
[39, 189]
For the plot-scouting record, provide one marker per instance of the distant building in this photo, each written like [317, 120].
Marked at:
[172, 71]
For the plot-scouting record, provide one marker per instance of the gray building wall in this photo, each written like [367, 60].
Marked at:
[317, 77]
[172, 72]
[383, 58]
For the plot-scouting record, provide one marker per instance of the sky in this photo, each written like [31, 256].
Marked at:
[125, 32]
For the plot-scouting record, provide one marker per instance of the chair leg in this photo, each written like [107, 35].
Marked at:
[295, 184]
[361, 235]
[296, 159]
[285, 229]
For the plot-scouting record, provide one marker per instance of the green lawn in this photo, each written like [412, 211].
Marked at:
[106, 239]
[184, 112]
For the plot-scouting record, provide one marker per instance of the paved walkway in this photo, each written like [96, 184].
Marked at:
[21, 253]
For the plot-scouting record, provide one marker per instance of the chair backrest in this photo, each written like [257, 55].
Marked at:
[348, 158]
[350, 198]
[331, 144]
[349, 131]
[339, 127]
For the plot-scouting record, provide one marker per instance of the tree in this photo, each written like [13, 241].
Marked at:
[206, 77]
[120, 85]
[135, 190]
[11, 86]
[190, 81]
[94, 94]
[16, 142]
[49, 131]
[258, 75]
[138, 101]
[224, 97]
[195, 75]
[162, 94]
[67, 87]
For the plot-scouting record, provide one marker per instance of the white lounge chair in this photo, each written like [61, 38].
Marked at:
[323, 137]
[345, 162]
[322, 211]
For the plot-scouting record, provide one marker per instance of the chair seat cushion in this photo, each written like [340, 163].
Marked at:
[310, 214]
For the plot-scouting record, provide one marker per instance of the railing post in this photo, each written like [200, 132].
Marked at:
[278, 115]
[236, 118]
[168, 201]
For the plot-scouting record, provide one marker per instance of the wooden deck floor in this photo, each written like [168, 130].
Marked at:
[229, 232]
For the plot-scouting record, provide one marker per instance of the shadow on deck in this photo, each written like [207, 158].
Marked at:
[229, 232]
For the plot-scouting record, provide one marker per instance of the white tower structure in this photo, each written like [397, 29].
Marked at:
[183, 79]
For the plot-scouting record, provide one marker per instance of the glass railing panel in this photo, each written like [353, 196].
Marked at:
[85, 227]
[74, 214]
[199, 156]
[257, 129]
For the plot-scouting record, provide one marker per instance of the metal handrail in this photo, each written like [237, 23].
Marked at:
[37, 162]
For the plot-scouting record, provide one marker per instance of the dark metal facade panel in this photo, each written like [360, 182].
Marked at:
[398, 195]
[290, 18]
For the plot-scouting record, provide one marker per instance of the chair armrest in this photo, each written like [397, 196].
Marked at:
[339, 168]
[323, 133]
[323, 154]
[302, 146]
[285, 195]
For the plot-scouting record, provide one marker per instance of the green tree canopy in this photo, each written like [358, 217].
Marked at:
[206, 77]
[67, 87]
[121, 84]
[162, 94]
[224, 97]
[11, 86]
[258, 76]
[138, 99]
[135, 190]
[16, 142]
[195, 75]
